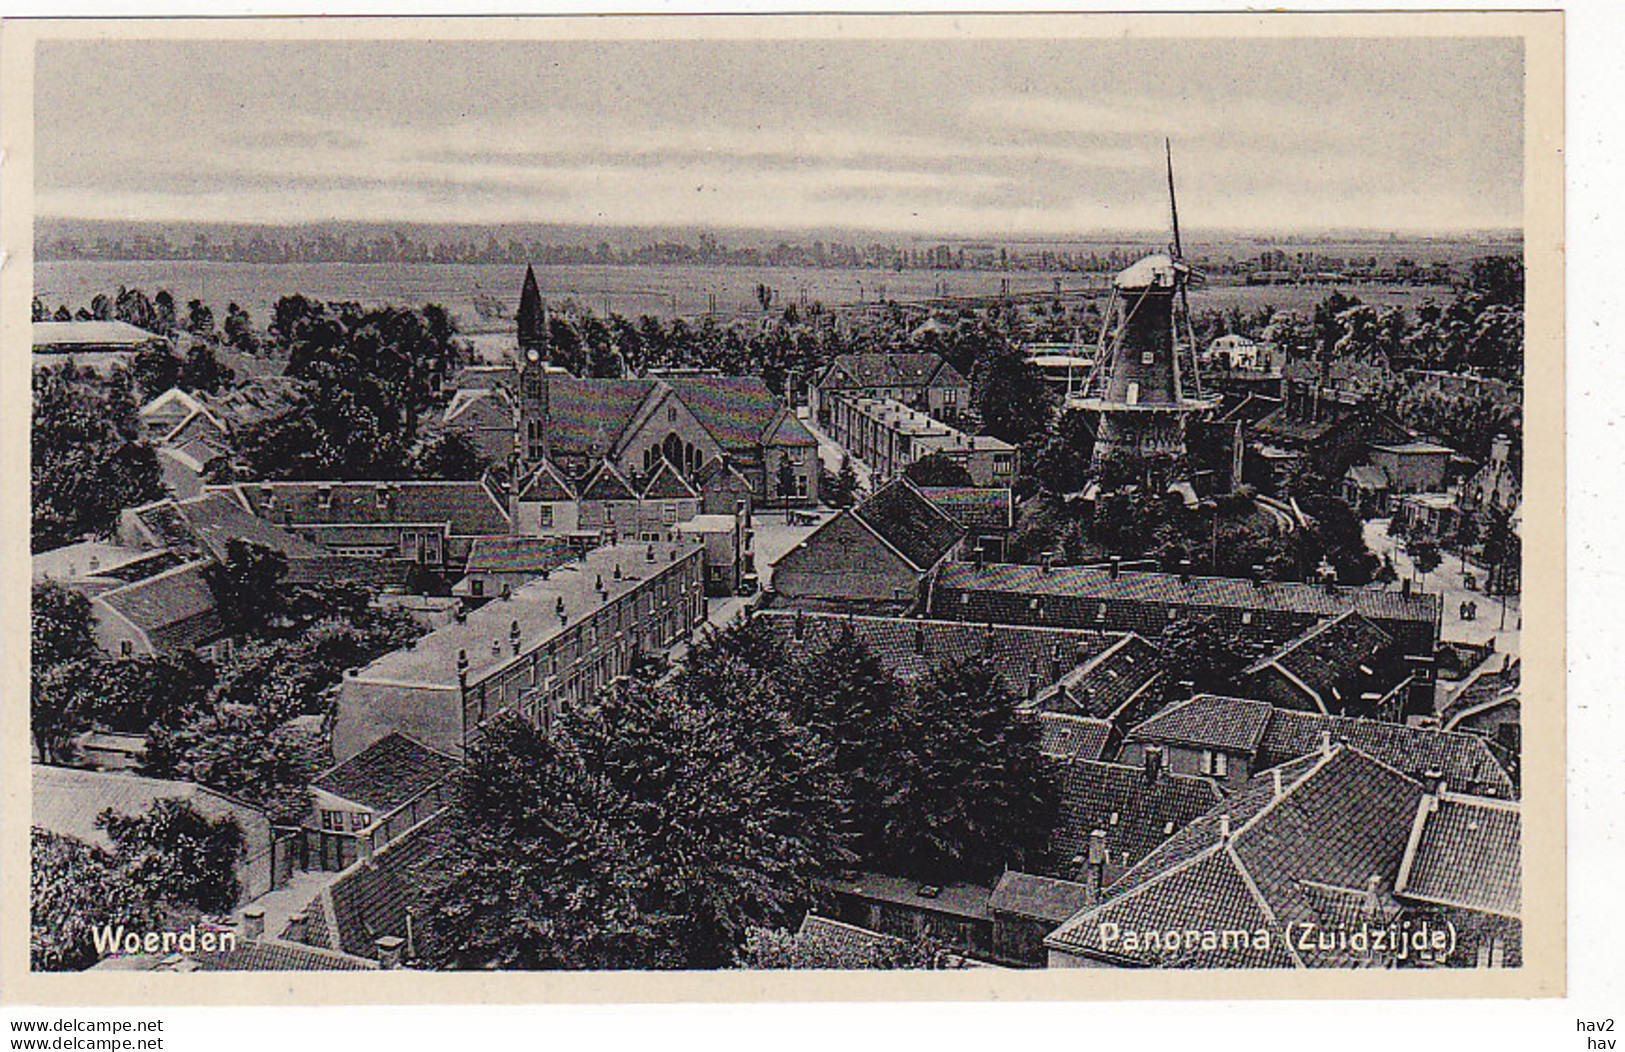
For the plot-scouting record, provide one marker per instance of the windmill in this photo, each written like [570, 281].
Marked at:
[1145, 384]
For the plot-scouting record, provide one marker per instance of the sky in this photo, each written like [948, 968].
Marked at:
[1012, 138]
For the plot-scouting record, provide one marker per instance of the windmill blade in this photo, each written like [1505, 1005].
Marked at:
[1173, 203]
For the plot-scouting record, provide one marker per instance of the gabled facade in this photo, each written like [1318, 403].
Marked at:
[922, 381]
[373, 798]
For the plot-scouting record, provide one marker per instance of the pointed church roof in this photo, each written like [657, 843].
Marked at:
[667, 483]
[547, 483]
[605, 483]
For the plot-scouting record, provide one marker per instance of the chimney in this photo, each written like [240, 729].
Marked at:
[1405, 588]
[507, 591]
[1372, 902]
[1032, 684]
[462, 668]
[617, 571]
[1185, 571]
[1275, 773]
[650, 554]
[496, 647]
[600, 583]
[1258, 575]
[253, 923]
[919, 639]
[1433, 780]
[800, 629]
[389, 951]
[1153, 764]
[513, 637]
[1325, 743]
[1117, 566]
[1095, 869]
[1224, 828]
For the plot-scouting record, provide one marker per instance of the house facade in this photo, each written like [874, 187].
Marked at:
[888, 436]
[921, 381]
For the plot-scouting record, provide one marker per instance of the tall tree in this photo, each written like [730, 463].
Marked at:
[937, 469]
[178, 854]
[74, 889]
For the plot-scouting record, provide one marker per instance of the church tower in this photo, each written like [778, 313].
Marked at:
[534, 417]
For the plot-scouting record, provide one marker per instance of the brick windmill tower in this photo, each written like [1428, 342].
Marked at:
[1144, 384]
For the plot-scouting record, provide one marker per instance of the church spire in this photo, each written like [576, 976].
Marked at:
[532, 315]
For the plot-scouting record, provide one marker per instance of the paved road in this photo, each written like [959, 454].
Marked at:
[1449, 580]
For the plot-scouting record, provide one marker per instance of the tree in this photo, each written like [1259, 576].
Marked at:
[937, 469]
[784, 483]
[1424, 556]
[248, 585]
[37, 310]
[842, 489]
[969, 795]
[60, 633]
[200, 319]
[452, 455]
[1011, 397]
[178, 854]
[75, 889]
[240, 330]
[88, 460]
[1200, 655]
[155, 370]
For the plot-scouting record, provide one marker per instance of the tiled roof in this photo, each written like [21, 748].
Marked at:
[716, 466]
[547, 484]
[468, 506]
[667, 483]
[1465, 760]
[1108, 683]
[1282, 426]
[274, 955]
[1238, 593]
[390, 772]
[605, 483]
[1069, 738]
[974, 507]
[737, 411]
[586, 416]
[909, 648]
[789, 431]
[371, 898]
[901, 516]
[517, 554]
[1466, 852]
[889, 370]
[480, 400]
[176, 605]
[845, 945]
[1136, 812]
[257, 399]
[1368, 476]
[1328, 654]
[207, 524]
[66, 800]
[1483, 690]
[1208, 721]
[1040, 898]
[1335, 821]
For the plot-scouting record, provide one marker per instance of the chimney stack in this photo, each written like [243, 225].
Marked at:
[1117, 566]
[1185, 571]
[1373, 903]
[1275, 773]
[513, 637]
[1325, 743]
[1095, 869]
[253, 923]
[1153, 764]
[389, 951]
[1224, 828]
[1433, 780]
[462, 668]
[919, 639]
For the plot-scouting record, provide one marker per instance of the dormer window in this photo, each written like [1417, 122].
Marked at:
[324, 497]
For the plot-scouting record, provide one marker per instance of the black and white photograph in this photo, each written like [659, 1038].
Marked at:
[971, 496]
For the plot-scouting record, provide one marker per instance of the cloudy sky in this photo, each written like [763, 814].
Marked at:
[1039, 137]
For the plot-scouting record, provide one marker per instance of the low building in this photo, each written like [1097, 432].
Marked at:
[1026, 907]
[166, 613]
[429, 524]
[988, 515]
[888, 436]
[92, 344]
[1344, 665]
[372, 799]
[1114, 600]
[955, 914]
[922, 381]
[1425, 516]
[1413, 467]
[102, 750]
[1063, 370]
[729, 562]
[1215, 737]
[498, 565]
[1067, 738]
[553, 644]
[1027, 660]
[879, 551]
[67, 801]
[485, 416]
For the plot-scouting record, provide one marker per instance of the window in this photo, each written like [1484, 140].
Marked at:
[544, 516]
[333, 820]
[1214, 763]
[359, 820]
[671, 414]
[477, 587]
[126, 648]
[1246, 617]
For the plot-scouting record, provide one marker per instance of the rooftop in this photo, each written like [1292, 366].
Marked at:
[974, 507]
[66, 800]
[1065, 737]
[910, 523]
[1208, 721]
[467, 507]
[90, 334]
[1465, 852]
[1239, 593]
[534, 606]
[959, 899]
[890, 370]
[390, 772]
[1136, 811]
[1040, 898]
